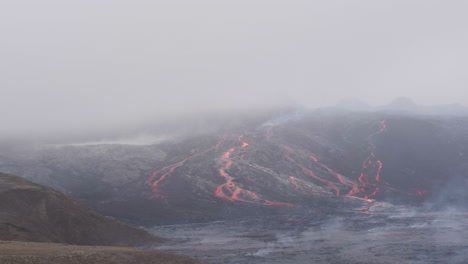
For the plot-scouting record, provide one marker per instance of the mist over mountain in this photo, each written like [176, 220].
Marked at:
[353, 104]
[175, 127]
[69, 67]
[272, 162]
[405, 105]
[216, 124]
[275, 184]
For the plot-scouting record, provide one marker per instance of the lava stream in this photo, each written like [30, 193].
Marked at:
[229, 190]
[306, 171]
[366, 209]
[294, 181]
[344, 180]
[371, 168]
[244, 144]
[420, 192]
[355, 187]
[367, 185]
[341, 178]
[169, 169]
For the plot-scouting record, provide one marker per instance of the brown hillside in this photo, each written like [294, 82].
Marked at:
[30, 212]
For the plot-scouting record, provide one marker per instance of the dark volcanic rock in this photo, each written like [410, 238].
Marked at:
[327, 160]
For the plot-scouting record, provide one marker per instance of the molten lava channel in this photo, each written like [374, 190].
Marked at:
[230, 190]
[367, 185]
[169, 169]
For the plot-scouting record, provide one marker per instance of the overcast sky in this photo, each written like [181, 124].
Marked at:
[84, 63]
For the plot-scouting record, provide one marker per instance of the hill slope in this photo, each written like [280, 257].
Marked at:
[30, 212]
[327, 160]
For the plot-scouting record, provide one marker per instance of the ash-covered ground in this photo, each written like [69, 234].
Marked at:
[312, 237]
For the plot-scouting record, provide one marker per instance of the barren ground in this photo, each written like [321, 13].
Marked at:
[46, 253]
[309, 238]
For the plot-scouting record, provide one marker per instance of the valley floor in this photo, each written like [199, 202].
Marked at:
[349, 238]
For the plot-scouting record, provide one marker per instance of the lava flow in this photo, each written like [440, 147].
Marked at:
[232, 192]
[332, 184]
[371, 166]
[371, 169]
[370, 173]
[342, 180]
[420, 192]
[306, 171]
[170, 169]
[244, 145]
[294, 181]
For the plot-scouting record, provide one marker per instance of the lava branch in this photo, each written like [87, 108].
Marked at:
[366, 209]
[294, 181]
[169, 169]
[368, 183]
[230, 190]
[341, 179]
[382, 128]
[244, 145]
[333, 185]
[371, 168]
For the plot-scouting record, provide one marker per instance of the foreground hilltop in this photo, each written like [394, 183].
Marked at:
[46, 253]
[30, 212]
[32, 216]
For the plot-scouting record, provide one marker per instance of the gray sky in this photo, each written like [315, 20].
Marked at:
[74, 64]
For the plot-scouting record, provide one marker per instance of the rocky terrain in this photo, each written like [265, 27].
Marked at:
[271, 189]
[403, 236]
[327, 159]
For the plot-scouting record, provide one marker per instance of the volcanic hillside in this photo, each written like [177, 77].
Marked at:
[324, 160]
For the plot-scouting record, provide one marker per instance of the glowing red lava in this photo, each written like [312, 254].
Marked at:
[420, 192]
[333, 185]
[370, 173]
[230, 190]
[230, 163]
[169, 169]
[371, 169]
[251, 180]
[294, 181]
[366, 209]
